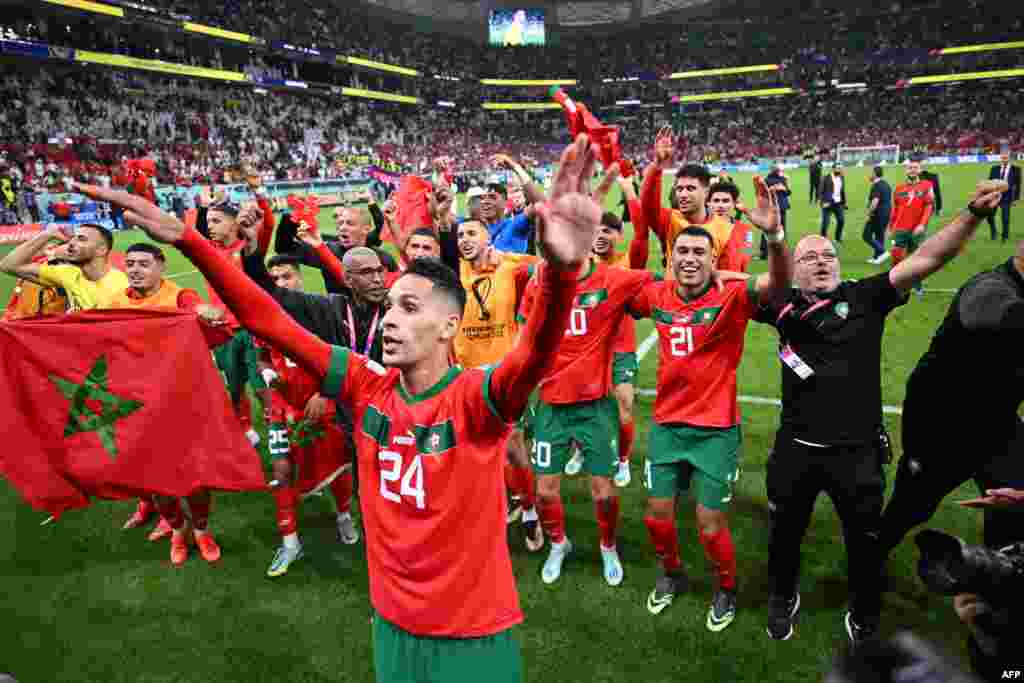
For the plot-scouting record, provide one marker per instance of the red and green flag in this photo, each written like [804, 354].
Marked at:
[116, 404]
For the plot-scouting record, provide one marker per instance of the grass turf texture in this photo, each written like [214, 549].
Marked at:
[89, 602]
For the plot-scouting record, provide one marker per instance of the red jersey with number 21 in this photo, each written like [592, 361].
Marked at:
[700, 344]
[582, 370]
[432, 494]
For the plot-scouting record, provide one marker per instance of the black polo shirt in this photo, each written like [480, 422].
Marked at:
[841, 341]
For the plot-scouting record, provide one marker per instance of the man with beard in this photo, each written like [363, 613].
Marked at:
[88, 278]
[494, 283]
[912, 206]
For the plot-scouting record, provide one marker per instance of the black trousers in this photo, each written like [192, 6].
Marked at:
[1004, 208]
[815, 182]
[826, 214]
[874, 234]
[852, 476]
[937, 461]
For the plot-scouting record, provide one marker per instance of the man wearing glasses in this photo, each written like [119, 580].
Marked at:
[830, 344]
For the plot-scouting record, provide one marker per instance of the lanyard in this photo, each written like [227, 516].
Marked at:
[803, 316]
[352, 331]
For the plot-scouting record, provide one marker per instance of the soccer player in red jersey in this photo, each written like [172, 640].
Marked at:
[696, 437]
[430, 461]
[145, 265]
[912, 206]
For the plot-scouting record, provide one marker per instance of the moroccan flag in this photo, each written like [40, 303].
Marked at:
[412, 207]
[116, 404]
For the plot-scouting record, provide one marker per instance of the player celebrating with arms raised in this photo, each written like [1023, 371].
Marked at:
[429, 443]
[696, 437]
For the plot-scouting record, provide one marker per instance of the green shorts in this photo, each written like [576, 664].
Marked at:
[592, 425]
[624, 369]
[401, 657]
[237, 361]
[708, 456]
[904, 239]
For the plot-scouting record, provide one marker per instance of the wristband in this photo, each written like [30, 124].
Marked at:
[980, 213]
[775, 237]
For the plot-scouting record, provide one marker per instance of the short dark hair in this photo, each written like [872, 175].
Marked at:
[147, 248]
[879, 171]
[424, 232]
[612, 221]
[289, 260]
[107, 236]
[499, 188]
[444, 279]
[725, 186]
[695, 231]
[226, 207]
[697, 171]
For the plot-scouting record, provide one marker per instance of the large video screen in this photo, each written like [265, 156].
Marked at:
[517, 27]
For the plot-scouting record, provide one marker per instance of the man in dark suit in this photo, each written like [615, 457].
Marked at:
[1011, 174]
[934, 178]
[815, 171]
[832, 195]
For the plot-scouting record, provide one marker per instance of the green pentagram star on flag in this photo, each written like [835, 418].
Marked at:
[93, 407]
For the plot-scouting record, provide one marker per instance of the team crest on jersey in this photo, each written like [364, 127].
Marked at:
[842, 309]
[435, 443]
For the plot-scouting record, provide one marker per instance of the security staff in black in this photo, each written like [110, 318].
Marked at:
[960, 418]
[830, 336]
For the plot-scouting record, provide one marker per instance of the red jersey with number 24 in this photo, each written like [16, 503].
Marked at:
[432, 494]
[700, 344]
[582, 370]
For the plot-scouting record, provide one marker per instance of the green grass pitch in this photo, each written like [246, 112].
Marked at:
[85, 601]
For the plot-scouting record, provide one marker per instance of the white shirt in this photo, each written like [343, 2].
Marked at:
[837, 189]
[1006, 171]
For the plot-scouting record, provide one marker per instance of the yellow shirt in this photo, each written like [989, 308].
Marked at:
[165, 297]
[83, 294]
[489, 325]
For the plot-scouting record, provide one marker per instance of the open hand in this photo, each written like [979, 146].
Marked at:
[309, 235]
[766, 217]
[570, 217]
[664, 148]
[159, 225]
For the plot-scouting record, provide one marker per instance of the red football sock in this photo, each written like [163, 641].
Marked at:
[287, 498]
[627, 432]
[607, 520]
[552, 518]
[721, 553]
[341, 487]
[665, 540]
[199, 506]
[170, 509]
[526, 486]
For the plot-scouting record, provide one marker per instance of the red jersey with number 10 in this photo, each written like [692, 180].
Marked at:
[582, 370]
[432, 494]
[700, 344]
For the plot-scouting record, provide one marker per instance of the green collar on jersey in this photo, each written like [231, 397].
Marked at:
[695, 296]
[433, 391]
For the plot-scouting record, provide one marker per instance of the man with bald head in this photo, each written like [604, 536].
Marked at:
[830, 344]
[355, 228]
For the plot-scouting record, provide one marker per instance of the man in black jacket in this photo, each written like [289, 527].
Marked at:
[832, 195]
[1011, 174]
[815, 172]
[355, 229]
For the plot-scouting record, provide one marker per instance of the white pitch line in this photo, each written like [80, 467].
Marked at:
[648, 343]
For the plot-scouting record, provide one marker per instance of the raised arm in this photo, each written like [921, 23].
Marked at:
[254, 308]
[19, 262]
[941, 247]
[566, 234]
[531, 188]
[773, 285]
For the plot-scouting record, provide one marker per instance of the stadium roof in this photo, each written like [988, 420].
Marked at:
[559, 12]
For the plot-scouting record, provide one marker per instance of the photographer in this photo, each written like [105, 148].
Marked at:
[830, 347]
